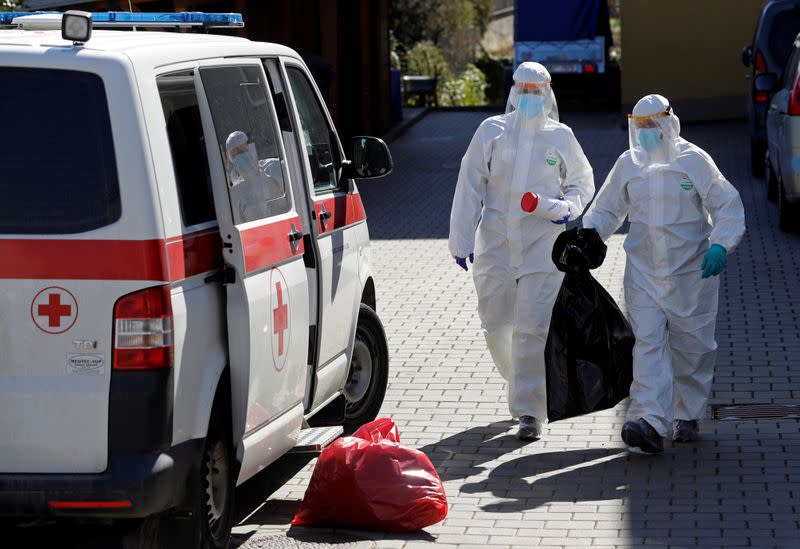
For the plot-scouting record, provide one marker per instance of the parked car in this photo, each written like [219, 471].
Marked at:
[186, 282]
[777, 27]
[783, 137]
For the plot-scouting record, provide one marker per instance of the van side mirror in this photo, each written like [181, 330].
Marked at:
[766, 82]
[747, 56]
[370, 159]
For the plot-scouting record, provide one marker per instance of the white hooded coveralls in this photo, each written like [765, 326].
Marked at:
[514, 275]
[678, 204]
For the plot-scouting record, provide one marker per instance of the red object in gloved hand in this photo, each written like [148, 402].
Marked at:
[370, 481]
[529, 202]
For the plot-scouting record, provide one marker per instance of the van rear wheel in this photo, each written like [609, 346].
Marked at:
[216, 486]
[369, 370]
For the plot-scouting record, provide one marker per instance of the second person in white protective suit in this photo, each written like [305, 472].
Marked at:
[522, 178]
[685, 218]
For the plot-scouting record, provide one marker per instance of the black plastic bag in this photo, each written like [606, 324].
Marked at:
[589, 351]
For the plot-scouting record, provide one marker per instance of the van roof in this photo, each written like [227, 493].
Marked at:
[146, 47]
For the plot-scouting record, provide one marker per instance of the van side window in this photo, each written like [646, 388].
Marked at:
[186, 142]
[319, 142]
[247, 136]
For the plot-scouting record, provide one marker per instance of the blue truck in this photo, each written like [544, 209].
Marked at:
[569, 37]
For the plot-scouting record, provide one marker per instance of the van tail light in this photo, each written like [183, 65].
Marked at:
[761, 97]
[589, 68]
[143, 330]
[760, 63]
[794, 99]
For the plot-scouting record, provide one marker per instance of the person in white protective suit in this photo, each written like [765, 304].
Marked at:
[254, 183]
[685, 218]
[522, 178]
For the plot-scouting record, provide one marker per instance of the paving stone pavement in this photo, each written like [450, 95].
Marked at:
[739, 486]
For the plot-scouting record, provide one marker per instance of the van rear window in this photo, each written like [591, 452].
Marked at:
[59, 175]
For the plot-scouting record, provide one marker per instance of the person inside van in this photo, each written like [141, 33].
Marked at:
[253, 182]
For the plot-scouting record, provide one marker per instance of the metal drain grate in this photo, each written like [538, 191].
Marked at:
[307, 541]
[757, 411]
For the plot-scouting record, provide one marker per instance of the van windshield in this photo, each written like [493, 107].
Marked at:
[59, 174]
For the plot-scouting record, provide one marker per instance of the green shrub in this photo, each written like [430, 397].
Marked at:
[494, 69]
[465, 90]
[425, 59]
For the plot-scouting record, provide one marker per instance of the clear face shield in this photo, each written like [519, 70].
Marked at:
[653, 138]
[533, 105]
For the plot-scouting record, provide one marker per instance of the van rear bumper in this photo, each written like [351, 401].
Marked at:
[133, 486]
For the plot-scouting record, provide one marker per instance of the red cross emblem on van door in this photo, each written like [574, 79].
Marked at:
[54, 310]
[280, 318]
[281, 328]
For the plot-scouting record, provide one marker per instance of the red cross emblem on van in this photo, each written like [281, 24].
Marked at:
[281, 327]
[54, 310]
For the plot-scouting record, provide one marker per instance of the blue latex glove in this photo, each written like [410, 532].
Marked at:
[462, 261]
[714, 261]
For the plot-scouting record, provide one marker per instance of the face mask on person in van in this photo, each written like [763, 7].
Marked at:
[243, 163]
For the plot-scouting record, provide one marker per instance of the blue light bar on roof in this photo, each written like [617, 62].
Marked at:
[101, 19]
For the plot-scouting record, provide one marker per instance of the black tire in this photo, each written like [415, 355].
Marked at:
[370, 356]
[787, 213]
[772, 183]
[757, 152]
[216, 481]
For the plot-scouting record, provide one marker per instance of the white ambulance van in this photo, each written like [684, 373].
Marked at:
[185, 276]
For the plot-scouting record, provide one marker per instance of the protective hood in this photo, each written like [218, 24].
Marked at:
[653, 132]
[531, 103]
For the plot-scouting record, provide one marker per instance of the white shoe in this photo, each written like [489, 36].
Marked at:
[530, 428]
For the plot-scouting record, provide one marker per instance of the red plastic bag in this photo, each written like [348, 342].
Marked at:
[370, 481]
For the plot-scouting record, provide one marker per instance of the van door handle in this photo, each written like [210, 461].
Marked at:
[324, 216]
[295, 236]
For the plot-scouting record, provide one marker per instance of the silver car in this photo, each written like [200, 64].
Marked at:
[783, 140]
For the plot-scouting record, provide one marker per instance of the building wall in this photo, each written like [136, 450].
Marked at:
[688, 51]
[344, 42]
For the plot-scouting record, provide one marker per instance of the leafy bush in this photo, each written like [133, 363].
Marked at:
[425, 59]
[465, 90]
[494, 69]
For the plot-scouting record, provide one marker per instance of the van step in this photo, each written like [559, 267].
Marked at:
[315, 439]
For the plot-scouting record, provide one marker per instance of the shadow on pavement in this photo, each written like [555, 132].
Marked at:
[461, 455]
[695, 494]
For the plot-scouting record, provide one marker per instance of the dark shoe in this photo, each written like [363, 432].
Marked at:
[529, 428]
[685, 430]
[641, 437]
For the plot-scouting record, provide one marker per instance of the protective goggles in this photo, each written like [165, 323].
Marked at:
[649, 120]
[526, 87]
[238, 149]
